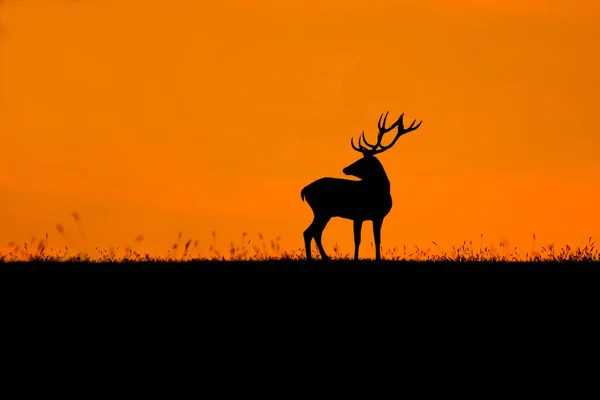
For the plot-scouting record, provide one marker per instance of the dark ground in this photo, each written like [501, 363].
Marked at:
[430, 289]
[293, 266]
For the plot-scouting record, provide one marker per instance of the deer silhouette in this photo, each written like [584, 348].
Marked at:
[368, 199]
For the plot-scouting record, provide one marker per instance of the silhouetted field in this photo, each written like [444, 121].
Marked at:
[300, 265]
[265, 255]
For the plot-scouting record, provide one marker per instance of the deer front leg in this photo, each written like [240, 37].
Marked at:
[357, 231]
[377, 235]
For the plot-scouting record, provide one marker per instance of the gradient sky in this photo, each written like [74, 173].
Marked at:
[156, 117]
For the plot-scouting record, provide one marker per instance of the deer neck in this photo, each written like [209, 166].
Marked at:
[379, 183]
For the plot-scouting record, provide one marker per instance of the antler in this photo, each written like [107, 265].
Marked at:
[370, 149]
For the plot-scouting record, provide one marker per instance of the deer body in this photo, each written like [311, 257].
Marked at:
[368, 199]
[355, 200]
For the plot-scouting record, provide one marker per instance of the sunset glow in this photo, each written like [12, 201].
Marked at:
[155, 117]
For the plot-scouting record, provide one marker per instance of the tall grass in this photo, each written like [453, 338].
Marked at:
[261, 249]
[246, 249]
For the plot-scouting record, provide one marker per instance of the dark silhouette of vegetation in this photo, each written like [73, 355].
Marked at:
[267, 256]
[251, 251]
[248, 254]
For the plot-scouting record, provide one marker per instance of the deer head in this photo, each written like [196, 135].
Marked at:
[369, 167]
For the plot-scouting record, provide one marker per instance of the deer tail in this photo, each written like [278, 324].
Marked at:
[303, 194]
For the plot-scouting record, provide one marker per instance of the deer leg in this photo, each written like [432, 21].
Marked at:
[319, 225]
[308, 235]
[377, 236]
[357, 230]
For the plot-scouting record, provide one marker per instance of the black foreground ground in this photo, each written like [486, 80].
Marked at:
[301, 265]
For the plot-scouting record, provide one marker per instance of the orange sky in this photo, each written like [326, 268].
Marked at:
[159, 116]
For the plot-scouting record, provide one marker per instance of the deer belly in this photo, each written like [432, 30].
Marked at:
[360, 207]
[346, 199]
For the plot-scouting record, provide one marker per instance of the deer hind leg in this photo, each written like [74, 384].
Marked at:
[315, 230]
[321, 223]
[308, 235]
